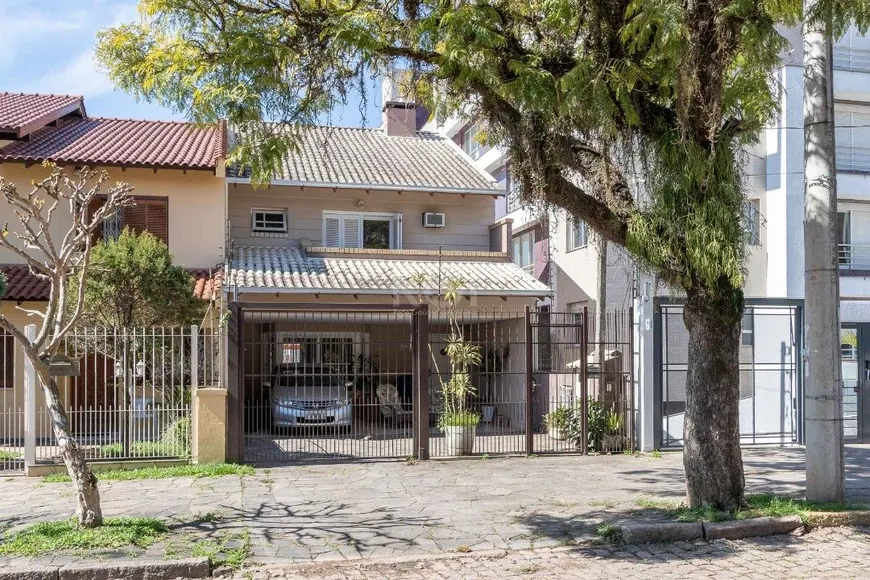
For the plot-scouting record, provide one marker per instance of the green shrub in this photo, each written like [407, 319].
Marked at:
[173, 442]
[458, 419]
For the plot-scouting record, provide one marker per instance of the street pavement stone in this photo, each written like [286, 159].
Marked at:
[363, 510]
[825, 553]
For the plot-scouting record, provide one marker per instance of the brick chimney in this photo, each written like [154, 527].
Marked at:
[399, 112]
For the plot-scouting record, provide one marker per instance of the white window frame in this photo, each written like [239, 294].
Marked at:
[470, 143]
[393, 218]
[360, 345]
[269, 210]
[573, 222]
[530, 267]
[752, 221]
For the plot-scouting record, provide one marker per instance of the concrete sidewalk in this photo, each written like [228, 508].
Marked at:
[386, 509]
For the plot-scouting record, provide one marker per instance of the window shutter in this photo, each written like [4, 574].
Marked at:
[93, 206]
[396, 232]
[331, 232]
[148, 215]
[352, 226]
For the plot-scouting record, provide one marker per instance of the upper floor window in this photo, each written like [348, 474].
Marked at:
[524, 251]
[146, 214]
[852, 125]
[471, 141]
[379, 231]
[514, 192]
[577, 235]
[269, 220]
[752, 222]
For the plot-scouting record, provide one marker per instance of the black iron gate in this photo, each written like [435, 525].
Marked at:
[365, 381]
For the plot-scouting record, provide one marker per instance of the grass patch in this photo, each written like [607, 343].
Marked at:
[155, 472]
[222, 548]
[759, 505]
[9, 455]
[609, 533]
[47, 537]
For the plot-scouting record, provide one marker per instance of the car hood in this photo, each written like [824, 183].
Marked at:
[323, 393]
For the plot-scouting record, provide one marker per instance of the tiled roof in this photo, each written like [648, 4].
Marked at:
[342, 156]
[22, 285]
[123, 142]
[22, 113]
[290, 269]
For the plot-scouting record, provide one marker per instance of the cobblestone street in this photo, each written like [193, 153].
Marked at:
[827, 553]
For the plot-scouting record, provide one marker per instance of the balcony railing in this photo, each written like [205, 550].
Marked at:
[854, 257]
[853, 158]
[854, 59]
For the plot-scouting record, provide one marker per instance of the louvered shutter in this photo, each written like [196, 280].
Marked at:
[331, 232]
[148, 215]
[93, 206]
[396, 232]
[352, 230]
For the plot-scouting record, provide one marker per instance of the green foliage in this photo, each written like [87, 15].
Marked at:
[568, 419]
[133, 282]
[9, 455]
[462, 356]
[609, 533]
[757, 505]
[157, 472]
[613, 423]
[50, 537]
[559, 419]
[173, 442]
[4, 283]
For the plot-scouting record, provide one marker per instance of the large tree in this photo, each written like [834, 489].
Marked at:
[629, 114]
[53, 233]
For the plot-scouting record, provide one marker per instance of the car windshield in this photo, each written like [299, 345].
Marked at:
[311, 381]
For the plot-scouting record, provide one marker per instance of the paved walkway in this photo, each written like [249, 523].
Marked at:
[835, 553]
[386, 509]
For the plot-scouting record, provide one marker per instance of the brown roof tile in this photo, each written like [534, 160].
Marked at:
[22, 285]
[22, 113]
[123, 142]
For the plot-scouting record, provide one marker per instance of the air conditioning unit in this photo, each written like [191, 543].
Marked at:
[434, 220]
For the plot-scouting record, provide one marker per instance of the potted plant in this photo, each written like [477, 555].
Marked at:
[457, 421]
[558, 422]
[613, 438]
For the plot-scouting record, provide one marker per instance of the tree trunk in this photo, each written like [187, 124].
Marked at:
[711, 451]
[88, 511]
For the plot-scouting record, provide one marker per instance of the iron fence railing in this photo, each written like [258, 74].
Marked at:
[342, 383]
[131, 397]
[854, 257]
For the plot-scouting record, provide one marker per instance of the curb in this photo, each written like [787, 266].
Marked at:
[127, 570]
[837, 519]
[731, 530]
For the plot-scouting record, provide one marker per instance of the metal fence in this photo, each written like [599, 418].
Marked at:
[130, 396]
[367, 382]
[770, 372]
[11, 410]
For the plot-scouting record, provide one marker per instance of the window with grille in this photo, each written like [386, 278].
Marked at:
[577, 235]
[514, 193]
[752, 222]
[269, 220]
[145, 214]
[379, 231]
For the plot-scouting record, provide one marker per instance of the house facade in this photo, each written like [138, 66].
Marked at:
[177, 174]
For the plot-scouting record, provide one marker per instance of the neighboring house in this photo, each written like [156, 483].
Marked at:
[177, 171]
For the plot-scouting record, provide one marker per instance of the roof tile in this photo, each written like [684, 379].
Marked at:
[18, 110]
[291, 269]
[122, 142]
[369, 157]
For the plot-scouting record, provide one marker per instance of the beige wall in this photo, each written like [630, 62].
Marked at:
[196, 208]
[467, 219]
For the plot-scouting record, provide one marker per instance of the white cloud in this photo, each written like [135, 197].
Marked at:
[33, 25]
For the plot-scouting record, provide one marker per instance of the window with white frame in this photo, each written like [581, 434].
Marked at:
[578, 237]
[470, 141]
[269, 220]
[524, 251]
[752, 222]
[844, 237]
[328, 350]
[379, 231]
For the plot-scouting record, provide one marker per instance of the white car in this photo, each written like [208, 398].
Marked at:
[306, 397]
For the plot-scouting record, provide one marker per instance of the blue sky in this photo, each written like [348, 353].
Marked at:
[47, 46]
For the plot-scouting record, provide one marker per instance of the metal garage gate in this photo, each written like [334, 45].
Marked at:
[770, 372]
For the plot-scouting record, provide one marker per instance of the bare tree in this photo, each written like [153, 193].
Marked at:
[64, 264]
